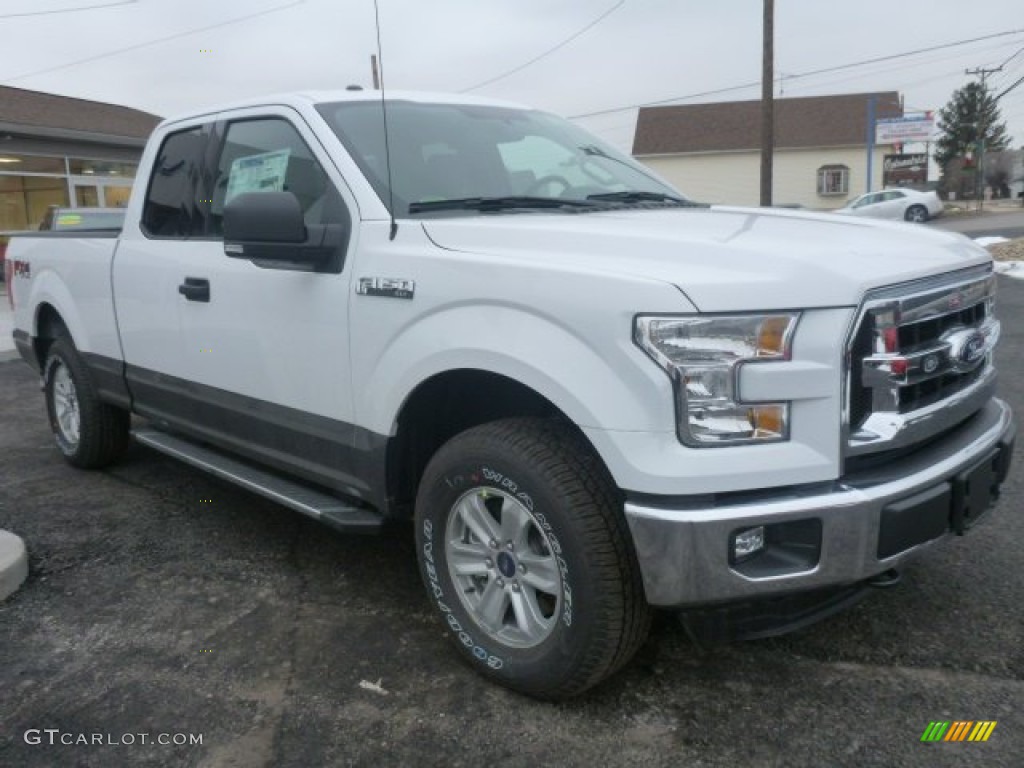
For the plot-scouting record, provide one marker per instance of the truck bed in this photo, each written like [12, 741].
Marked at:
[53, 262]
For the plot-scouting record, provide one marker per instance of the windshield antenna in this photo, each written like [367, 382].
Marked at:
[384, 112]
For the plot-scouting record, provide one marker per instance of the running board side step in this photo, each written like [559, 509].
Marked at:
[314, 503]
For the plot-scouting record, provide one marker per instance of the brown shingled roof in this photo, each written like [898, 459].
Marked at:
[814, 121]
[48, 110]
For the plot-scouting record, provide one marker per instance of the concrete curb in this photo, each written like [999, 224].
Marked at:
[9, 356]
[13, 564]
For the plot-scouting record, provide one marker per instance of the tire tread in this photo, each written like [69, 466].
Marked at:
[104, 429]
[569, 464]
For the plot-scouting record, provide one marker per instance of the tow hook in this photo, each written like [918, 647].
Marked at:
[885, 580]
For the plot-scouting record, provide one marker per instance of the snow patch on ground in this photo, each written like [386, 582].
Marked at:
[990, 240]
[1010, 269]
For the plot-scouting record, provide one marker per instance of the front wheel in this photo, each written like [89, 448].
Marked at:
[89, 433]
[527, 558]
[917, 213]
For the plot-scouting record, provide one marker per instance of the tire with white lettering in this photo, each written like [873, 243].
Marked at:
[527, 558]
[89, 433]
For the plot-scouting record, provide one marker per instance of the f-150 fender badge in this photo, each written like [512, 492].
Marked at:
[386, 287]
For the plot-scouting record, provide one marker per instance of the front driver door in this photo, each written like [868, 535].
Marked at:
[269, 350]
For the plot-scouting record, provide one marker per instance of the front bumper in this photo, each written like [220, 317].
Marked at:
[828, 534]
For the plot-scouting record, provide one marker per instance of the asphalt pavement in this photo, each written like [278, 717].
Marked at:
[1003, 221]
[163, 605]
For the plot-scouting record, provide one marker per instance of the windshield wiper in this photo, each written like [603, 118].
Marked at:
[639, 196]
[488, 204]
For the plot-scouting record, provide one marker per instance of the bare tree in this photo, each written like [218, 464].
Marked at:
[998, 170]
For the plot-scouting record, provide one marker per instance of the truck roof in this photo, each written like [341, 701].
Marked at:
[301, 99]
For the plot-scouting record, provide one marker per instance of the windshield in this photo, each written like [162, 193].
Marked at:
[455, 152]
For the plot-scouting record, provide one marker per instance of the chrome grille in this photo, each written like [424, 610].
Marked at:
[919, 360]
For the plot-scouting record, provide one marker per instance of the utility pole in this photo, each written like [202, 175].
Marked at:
[869, 138]
[374, 72]
[767, 101]
[979, 179]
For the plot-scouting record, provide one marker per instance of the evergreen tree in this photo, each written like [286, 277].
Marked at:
[971, 107]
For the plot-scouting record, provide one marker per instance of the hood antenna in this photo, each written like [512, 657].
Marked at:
[384, 112]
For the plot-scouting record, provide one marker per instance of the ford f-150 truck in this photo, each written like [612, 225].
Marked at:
[590, 395]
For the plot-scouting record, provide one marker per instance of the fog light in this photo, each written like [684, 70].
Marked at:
[748, 542]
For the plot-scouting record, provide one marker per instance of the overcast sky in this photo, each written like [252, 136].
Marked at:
[171, 56]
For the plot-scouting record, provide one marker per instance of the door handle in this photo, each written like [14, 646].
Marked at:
[195, 289]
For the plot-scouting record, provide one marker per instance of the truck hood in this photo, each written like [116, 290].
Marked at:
[722, 259]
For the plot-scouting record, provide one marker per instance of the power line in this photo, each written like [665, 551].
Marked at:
[138, 46]
[902, 67]
[1010, 73]
[652, 119]
[1014, 56]
[1007, 90]
[548, 52]
[66, 10]
[828, 82]
[821, 71]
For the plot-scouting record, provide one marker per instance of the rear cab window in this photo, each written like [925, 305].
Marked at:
[175, 200]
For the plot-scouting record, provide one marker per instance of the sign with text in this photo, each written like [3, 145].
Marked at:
[901, 170]
[258, 173]
[896, 130]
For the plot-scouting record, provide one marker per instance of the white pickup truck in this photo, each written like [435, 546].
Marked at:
[592, 396]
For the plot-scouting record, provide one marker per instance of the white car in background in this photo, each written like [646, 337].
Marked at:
[900, 204]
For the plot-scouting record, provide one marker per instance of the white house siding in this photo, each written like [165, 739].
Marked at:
[733, 178]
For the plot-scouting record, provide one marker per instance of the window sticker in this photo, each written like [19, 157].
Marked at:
[258, 173]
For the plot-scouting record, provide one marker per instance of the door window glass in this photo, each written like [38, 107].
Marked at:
[174, 201]
[269, 155]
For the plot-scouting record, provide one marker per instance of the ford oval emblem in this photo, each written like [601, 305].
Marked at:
[973, 349]
[968, 348]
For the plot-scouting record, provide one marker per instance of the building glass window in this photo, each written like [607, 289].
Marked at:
[31, 184]
[81, 167]
[117, 197]
[833, 180]
[11, 163]
[25, 199]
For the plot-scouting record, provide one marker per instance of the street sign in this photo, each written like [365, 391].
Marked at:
[897, 130]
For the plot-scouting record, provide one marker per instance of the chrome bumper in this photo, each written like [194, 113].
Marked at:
[683, 548]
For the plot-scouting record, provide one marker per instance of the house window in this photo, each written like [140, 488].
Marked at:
[833, 180]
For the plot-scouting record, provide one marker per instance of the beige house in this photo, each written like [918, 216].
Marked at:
[711, 152]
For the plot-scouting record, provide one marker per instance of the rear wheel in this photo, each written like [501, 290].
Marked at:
[526, 556]
[88, 432]
[916, 213]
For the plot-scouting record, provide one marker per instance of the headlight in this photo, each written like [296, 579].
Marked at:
[703, 355]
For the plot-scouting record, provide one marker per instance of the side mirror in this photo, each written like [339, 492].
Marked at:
[268, 227]
[264, 217]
